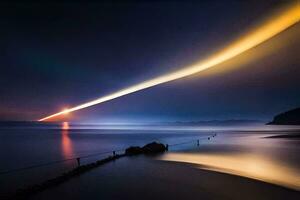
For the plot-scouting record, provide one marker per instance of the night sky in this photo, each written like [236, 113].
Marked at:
[57, 55]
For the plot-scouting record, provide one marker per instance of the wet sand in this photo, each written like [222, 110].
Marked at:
[143, 177]
[286, 136]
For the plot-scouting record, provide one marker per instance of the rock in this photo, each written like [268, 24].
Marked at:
[291, 117]
[150, 148]
[153, 148]
[135, 150]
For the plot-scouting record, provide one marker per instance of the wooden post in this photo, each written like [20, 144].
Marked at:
[114, 153]
[78, 161]
[167, 147]
[198, 143]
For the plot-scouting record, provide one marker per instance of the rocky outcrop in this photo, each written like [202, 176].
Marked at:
[135, 150]
[151, 148]
[291, 117]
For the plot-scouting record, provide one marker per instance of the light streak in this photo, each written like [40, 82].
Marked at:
[263, 33]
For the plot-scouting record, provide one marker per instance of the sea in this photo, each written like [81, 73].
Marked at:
[32, 152]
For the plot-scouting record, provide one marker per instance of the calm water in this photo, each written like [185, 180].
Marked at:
[27, 144]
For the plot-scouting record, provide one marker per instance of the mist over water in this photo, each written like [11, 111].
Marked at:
[26, 144]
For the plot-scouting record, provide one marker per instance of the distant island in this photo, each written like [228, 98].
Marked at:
[291, 117]
[215, 122]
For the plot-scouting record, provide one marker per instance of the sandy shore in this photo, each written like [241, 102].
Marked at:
[146, 178]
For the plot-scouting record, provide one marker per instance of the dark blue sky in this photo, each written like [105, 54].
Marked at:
[57, 55]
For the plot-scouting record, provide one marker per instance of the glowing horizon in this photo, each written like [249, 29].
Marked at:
[274, 26]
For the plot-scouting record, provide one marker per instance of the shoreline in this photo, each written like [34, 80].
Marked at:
[285, 136]
[254, 167]
[209, 169]
[141, 177]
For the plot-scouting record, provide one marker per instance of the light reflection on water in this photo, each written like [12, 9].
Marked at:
[245, 165]
[66, 142]
[253, 156]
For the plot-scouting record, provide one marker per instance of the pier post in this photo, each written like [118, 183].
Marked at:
[78, 161]
[114, 153]
[167, 147]
[198, 143]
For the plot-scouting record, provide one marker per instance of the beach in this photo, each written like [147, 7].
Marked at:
[143, 177]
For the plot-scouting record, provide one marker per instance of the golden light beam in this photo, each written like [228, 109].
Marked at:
[274, 26]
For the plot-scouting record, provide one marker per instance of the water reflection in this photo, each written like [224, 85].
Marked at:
[269, 160]
[66, 142]
[245, 165]
[65, 126]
